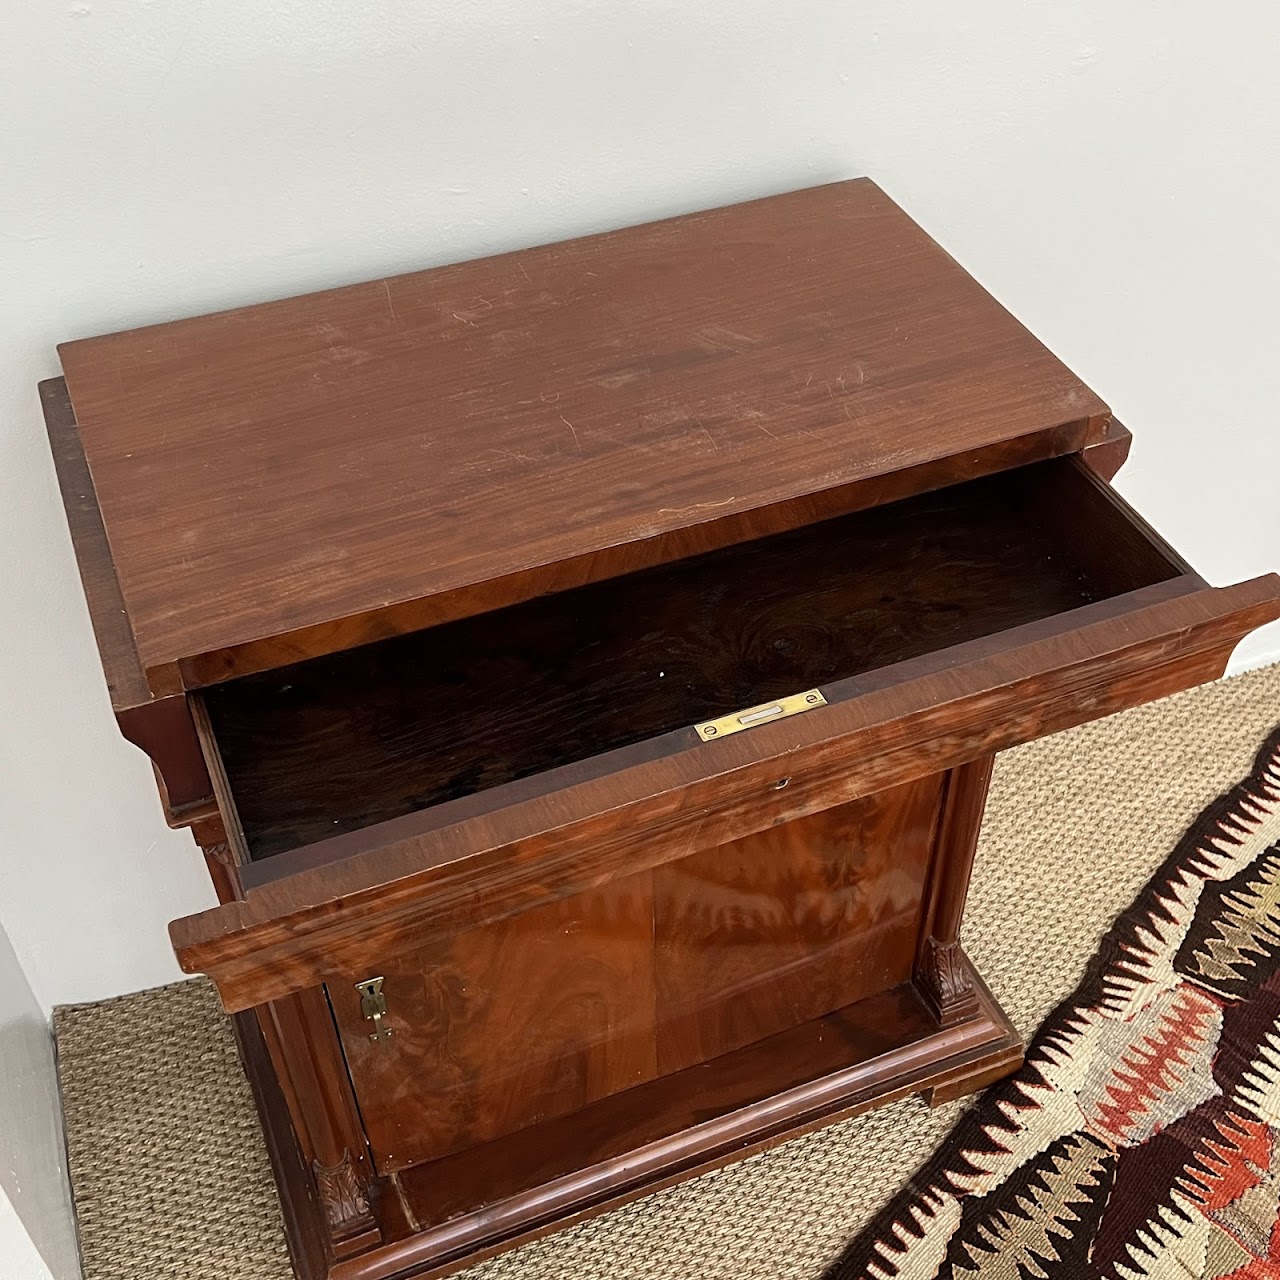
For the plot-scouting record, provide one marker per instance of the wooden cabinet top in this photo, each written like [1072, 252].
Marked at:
[300, 476]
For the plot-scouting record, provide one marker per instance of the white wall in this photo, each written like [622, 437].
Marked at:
[37, 1235]
[21, 1259]
[1108, 170]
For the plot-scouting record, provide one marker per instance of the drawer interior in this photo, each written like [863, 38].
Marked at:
[338, 743]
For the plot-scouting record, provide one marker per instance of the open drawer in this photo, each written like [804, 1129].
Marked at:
[460, 776]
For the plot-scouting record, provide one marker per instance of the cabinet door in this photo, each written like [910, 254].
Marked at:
[501, 1027]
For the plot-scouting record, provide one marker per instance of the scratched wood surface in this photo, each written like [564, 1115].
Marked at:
[307, 468]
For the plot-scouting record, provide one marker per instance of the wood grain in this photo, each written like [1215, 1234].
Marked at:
[498, 1028]
[942, 974]
[305, 1228]
[439, 1217]
[309, 1067]
[345, 741]
[307, 468]
[412, 591]
[755, 936]
[691, 540]
[1113, 545]
[490, 1197]
[162, 727]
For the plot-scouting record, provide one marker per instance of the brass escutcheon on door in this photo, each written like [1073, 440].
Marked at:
[373, 1005]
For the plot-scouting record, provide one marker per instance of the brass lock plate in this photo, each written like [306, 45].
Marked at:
[765, 713]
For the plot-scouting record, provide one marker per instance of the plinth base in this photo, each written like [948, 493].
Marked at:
[437, 1218]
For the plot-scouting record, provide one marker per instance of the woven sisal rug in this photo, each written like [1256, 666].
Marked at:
[171, 1179]
[1142, 1136]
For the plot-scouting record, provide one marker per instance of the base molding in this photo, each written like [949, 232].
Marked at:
[865, 1069]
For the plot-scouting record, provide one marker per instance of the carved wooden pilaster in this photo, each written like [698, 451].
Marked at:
[942, 973]
[223, 871]
[303, 1043]
[944, 978]
[342, 1194]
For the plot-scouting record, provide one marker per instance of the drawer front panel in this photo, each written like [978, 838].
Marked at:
[500, 1028]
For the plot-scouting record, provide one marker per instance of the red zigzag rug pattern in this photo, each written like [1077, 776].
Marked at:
[1142, 1137]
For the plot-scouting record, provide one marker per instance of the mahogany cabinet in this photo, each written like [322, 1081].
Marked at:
[582, 670]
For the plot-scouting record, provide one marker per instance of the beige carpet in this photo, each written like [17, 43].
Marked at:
[171, 1179]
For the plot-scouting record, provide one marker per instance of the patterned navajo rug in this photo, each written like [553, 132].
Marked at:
[1142, 1137]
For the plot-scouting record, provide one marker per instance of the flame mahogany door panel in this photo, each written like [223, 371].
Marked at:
[503, 1026]
[762, 934]
[515, 1023]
